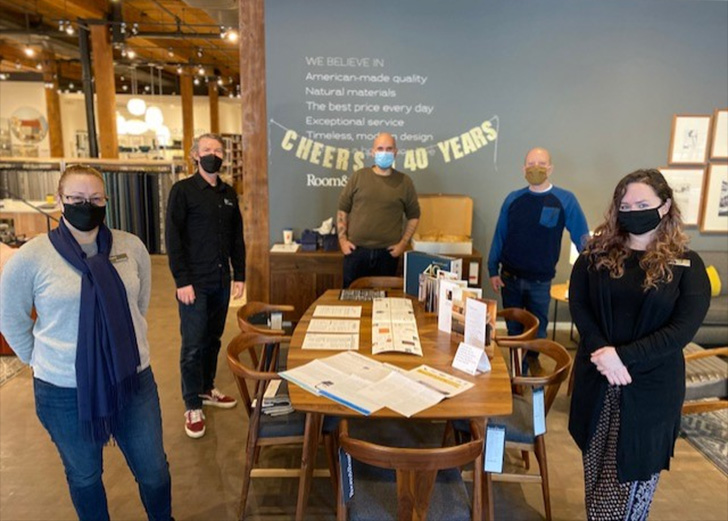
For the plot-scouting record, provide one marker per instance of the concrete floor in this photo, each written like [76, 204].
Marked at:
[206, 473]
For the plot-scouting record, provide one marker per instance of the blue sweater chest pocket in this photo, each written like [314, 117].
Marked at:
[549, 216]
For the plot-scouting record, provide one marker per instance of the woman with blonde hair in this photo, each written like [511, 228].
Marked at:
[88, 347]
[637, 296]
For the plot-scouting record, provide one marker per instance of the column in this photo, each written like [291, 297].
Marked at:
[214, 107]
[53, 103]
[188, 122]
[103, 71]
[255, 148]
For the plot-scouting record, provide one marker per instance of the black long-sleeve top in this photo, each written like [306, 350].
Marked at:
[649, 330]
[204, 233]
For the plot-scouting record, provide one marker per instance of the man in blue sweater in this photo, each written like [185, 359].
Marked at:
[527, 242]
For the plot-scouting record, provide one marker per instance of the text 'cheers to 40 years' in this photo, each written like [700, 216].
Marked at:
[345, 159]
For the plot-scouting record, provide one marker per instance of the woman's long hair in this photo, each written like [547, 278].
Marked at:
[609, 247]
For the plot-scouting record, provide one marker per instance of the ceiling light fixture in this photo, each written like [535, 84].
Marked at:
[201, 71]
[199, 52]
[179, 70]
[196, 81]
[29, 51]
[170, 52]
[131, 54]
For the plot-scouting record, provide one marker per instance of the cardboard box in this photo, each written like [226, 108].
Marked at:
[446, 224]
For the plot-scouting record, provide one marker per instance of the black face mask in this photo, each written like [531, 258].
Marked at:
[211, 163]
[639, 222]
[84, 216]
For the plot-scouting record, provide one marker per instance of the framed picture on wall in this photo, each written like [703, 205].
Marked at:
[714, 215]
[719, 148]
[689, 139]
[687, 190]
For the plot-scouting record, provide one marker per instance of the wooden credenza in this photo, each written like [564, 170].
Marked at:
[300, 278]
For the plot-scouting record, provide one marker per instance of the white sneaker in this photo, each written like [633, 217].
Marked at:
[195, 423]
[217, 399]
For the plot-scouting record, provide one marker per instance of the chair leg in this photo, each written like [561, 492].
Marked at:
[526, 459]
[251, 450]
[540, 450]
[257, 455]
[331, 459]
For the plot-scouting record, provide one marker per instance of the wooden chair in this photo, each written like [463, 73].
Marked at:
[378, 283]
[530, 323]
[519, 425]
[706, 379]
[256, 308]
[404, 483]
[264, 430]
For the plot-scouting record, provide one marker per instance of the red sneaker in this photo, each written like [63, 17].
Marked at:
[216, 399]
[195, 423]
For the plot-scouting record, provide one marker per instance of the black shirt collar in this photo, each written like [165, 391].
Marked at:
[202, 184]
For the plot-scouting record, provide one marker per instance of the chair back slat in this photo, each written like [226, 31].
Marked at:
[414, 489]
[378, 282]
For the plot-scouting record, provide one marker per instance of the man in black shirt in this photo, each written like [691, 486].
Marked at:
[204, 236]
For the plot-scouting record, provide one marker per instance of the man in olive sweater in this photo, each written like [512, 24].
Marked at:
[372, 210]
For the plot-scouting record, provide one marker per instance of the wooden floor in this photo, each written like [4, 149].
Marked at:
[206, 474]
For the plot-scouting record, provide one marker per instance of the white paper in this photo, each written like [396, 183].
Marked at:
[337, 311]
[476, 316]
[402, 394]
[444, 383]
[495, 442]
[313, 375]
[331, 341]
[360, 365]
[325, 325]
[539, 412]
[285, 248]
[349, 392]
[471, 359]
[394, 327]
[448, 290]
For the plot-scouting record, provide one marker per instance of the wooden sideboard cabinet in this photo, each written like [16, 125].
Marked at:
[300, 278]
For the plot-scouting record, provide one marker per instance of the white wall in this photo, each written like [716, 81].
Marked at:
[18, 94]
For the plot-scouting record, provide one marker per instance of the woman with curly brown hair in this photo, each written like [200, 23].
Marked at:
[637, 296]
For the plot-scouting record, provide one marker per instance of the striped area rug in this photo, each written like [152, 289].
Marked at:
[708, 433]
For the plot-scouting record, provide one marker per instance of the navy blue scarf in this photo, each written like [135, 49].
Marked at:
[107, 354]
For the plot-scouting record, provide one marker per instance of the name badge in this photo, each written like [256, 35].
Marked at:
[685, 263]
[347, 475]
[539, 412]
[122, 257]
[495, 443]
[228, 202]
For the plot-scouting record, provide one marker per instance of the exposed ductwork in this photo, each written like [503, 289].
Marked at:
[223, 12]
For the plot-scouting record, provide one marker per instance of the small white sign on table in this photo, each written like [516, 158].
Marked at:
[471, 359]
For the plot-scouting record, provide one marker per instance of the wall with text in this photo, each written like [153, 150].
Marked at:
[469, 86]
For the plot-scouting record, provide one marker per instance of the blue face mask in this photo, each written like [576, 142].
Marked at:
[384, 160]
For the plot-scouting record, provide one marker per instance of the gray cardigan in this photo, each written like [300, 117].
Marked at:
[38, 276]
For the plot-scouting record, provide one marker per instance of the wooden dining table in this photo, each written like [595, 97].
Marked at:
[490, 395]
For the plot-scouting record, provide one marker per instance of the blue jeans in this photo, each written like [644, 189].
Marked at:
[201, 325]
[533, 296]
[366, 262]
[139, 436]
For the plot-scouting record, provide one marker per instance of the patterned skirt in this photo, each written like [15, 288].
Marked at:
[606, 498]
